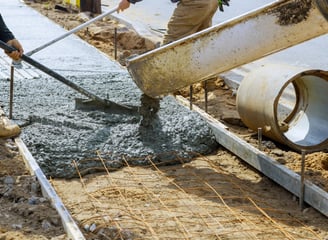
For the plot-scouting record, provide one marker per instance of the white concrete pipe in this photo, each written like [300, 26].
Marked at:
[289, 104]
[225, 46]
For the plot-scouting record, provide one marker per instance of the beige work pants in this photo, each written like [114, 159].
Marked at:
[190, 16]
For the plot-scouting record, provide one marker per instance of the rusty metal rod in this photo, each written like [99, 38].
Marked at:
[115, 43]
[72, 31]
[259, 138]
[190, 96]
[206, 94]
[301, 200]
[100, 101]
[11, 92]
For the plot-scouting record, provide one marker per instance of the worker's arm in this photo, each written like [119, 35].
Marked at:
[124, 4]
[5, 33]
[8, 37]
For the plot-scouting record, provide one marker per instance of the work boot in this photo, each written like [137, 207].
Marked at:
[8, 130]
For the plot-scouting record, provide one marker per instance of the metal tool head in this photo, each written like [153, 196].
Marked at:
[105, 106]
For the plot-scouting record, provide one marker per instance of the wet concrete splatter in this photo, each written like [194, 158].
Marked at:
[148, 109]
[58, 134]
[293, 12]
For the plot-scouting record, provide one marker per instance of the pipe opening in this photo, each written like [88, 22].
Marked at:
[289, 103]
[306, 125]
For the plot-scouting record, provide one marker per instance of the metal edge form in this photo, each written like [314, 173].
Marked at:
[48, 191]
[291, 181]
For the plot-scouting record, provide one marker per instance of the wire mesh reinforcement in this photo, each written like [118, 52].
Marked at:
[195, 200]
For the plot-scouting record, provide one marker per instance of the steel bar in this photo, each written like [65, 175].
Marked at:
[301, 199]
[206, 94]
[100, 102]
[11, 91]
[71, 31]
[115, 43]
[190, 96]
[259, 138]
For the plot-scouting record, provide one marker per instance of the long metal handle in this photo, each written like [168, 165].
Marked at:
[48, 71]
[62, 79]
[71, 31]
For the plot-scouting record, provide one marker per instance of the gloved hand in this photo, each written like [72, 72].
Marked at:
[223, 2]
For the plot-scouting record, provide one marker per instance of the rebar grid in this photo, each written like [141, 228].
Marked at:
[195, 200]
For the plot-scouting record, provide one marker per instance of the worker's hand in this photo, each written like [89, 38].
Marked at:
[223, 2]
[124, 4]
[15, 55]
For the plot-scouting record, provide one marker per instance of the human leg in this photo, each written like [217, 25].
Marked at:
[190, 16]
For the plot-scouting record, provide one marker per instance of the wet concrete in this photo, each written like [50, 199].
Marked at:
[57, 134]
[293, 12]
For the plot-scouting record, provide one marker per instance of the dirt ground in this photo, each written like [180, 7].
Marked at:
[24, 213]
[212, 197]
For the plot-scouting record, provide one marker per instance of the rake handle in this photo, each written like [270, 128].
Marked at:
[52, 73]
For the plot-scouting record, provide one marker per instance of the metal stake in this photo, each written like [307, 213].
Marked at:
[115, 43]
[190, 96]
[205, 88]
[11, 92]
[259, 138]
[72, 31]
[301, 201]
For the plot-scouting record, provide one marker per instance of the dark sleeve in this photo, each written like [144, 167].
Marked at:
[5, 33]
[134, 1]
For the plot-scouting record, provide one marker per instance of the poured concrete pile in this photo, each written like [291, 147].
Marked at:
[57, 134]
